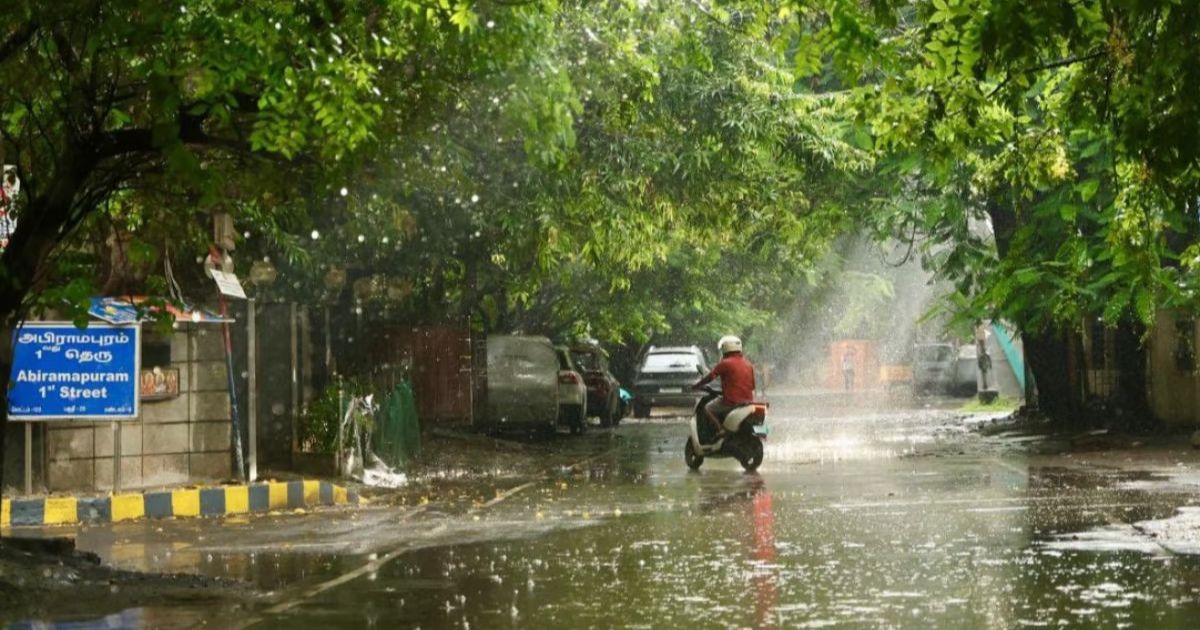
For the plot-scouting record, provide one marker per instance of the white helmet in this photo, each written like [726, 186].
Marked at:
[728, 344]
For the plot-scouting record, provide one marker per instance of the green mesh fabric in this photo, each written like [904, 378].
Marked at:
[397, 436]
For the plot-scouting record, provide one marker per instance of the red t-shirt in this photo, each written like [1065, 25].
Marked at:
[737, 379]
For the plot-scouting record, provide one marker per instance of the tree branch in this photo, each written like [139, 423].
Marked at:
[1069, 61]
[17, 39]
[191, 131]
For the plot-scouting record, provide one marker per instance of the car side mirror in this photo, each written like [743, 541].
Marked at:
[699, 370]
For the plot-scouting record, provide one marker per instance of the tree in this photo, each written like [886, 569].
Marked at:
[201, 103]
[666, 178]
[1068, 127]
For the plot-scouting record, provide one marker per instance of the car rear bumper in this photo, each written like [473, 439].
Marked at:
[657, 398]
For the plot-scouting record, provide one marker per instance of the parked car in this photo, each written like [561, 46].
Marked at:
[603, 389]
[933, 367]
[572, 393]
[522, 384]
[966, 370]
[945, 368]
[665, 376]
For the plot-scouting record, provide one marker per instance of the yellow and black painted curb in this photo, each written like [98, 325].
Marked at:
[185, 502]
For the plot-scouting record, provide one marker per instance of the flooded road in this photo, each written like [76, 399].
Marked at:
[892, 519]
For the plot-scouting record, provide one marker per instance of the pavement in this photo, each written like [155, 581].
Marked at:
[889, 516]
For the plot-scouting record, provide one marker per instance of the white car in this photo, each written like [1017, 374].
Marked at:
[572, 392]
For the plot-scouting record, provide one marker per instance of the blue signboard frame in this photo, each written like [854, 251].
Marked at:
[62, 372]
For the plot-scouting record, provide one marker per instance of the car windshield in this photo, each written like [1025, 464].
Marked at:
[671, 361]
[586, 361]
[934, 354]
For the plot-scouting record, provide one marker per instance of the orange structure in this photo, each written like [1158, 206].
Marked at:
[866, 363]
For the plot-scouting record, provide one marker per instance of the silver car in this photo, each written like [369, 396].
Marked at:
[572, 392]
[945, 368]
[522, 384]
[933, 367]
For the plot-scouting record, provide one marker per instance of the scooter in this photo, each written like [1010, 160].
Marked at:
[745, 432]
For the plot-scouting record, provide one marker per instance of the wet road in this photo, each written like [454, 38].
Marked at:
[886, 519]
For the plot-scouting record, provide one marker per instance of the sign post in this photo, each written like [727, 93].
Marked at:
[229, 285]
[61, 372]
[28, 459]
[252, 395]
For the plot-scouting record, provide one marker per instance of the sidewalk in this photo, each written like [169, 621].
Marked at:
[173, 503]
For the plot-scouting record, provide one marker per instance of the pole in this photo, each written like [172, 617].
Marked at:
[295, 380]
[116, 429]
[252, 394]
[28, 458]
[337, 457]
[329, 369]
[236, 443]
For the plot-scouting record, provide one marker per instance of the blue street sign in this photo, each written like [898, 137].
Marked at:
[60, 371]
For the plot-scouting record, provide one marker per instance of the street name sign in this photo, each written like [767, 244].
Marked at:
[63, 372]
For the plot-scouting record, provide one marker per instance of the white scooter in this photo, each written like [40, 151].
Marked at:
[745, 431]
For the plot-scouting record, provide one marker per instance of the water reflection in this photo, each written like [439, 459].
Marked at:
[969, 541]
[766, 591]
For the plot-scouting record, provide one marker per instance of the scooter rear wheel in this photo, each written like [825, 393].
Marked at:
[752, 455]
[694, 460]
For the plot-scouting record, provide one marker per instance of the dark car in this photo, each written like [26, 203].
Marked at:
[603, 389]
[665, 377]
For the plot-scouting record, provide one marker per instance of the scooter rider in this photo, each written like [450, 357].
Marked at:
[737, 381]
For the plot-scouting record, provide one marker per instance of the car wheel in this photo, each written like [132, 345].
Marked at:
[578, 422]
[693, 459]
[614, 410]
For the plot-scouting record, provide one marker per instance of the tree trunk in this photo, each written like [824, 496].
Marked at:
[1132, 407]
[6, 352]
[1051, 359]
[44, 223]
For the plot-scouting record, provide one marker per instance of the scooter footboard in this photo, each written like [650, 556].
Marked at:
[706, 431]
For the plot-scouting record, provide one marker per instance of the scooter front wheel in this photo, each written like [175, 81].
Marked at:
[694, 460]
[752, 455]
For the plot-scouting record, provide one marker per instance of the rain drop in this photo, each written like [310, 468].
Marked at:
[315, 235]
[345, 191]
[361, 238]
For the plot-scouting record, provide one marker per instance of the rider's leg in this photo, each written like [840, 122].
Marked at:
[716, 411]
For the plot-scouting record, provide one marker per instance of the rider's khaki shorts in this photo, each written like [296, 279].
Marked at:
[719, 409]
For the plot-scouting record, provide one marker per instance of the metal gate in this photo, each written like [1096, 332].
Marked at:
[438, 361]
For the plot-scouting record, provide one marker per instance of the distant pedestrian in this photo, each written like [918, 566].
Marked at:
[848, 360]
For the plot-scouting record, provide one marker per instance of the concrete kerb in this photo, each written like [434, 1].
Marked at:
[204, 501]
